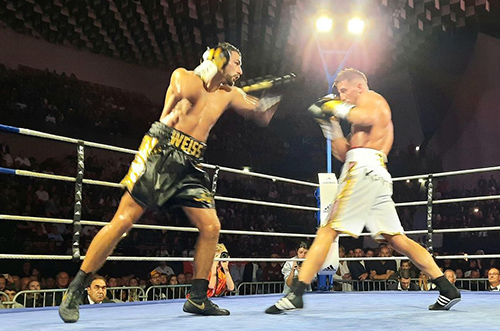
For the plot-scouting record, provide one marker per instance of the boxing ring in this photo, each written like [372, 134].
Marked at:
[327, 311]
[348, 310]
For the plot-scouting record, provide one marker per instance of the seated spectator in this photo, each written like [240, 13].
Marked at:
[272, 270]
[175, 292]
[33, 299]
[358, 270]
[154, 292]
[382, 270]
[164, 269]
[451, 276]
[3, 282]
[220, 280]
[475, 284]
[291, 268]
[9, 303]
[96, 292]
[493, 280]
[404, 282]
[343, 273]
[406, 265]
[424, 284]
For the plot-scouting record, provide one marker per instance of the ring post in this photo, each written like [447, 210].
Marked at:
[77, 215]
[430, 230]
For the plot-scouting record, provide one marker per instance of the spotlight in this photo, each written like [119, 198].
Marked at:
[324, 24]
[356, 26]
[417, 148]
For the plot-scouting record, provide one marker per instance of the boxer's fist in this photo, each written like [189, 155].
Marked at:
[329, 106]
[317, 110]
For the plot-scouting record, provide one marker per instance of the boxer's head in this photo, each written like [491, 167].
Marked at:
[232, 71]
[350, 83]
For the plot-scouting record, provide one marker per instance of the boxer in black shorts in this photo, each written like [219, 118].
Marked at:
[167, 171]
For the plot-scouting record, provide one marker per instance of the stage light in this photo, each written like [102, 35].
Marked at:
[324, 24]
[356, 26]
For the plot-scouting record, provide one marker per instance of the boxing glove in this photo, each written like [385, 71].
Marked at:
[329, 106]
[214, 60]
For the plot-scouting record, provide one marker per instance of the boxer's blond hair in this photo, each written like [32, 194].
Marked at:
[350, 74]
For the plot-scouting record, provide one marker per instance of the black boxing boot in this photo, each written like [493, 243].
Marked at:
[198, 303]
[449, 295]
[291, 301]
[69, 310]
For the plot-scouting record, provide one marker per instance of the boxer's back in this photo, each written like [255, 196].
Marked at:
[190, 108]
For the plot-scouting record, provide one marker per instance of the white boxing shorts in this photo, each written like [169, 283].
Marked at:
[364, 197]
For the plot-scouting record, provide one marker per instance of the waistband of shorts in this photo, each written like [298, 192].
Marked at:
[179, 140]
[366, 155]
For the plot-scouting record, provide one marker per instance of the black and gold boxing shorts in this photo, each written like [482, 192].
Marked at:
[167, 170]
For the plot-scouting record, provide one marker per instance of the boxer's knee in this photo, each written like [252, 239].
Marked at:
[210, 228]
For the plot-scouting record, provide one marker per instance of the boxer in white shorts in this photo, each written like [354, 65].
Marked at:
[364, 197]
[365, 190]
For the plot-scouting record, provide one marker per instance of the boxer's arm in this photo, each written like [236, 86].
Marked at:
[261, 111]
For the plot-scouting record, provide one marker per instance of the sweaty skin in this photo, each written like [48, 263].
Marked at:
[371, 127]
[371, 120]
[193, 108]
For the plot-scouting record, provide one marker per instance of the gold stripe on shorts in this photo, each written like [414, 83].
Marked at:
[138, 166]
[342, 199]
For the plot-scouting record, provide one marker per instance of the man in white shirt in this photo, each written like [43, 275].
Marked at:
[163, 268]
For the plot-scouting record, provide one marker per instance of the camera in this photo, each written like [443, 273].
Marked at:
[299, 263]
[224, 255]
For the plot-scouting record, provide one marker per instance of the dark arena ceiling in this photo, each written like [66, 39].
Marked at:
[275, 36]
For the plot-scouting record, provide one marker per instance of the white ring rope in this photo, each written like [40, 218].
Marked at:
[265, 203]
[117, 185]
[232, 259]
[448, 173]
[242, 232]
[152, 227]
[255, 174]
[35, 133]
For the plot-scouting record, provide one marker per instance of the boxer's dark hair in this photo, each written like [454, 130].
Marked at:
[349, 74]
[228, 47]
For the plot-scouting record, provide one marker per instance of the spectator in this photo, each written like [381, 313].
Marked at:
[250, 271]
[164, 269]
[33, 299]
[3, 282]
[272, 270]
[358, 271]
[382, 270]
[220, 280]
[291, 268]
[174, 291]
[96, 292]
[10, 303]
[493, 280]
[343, 274]
[154, 292]
[404, 282]
[424, 284]
[451, 276]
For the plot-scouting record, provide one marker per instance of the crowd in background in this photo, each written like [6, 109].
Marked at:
[48, 100]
